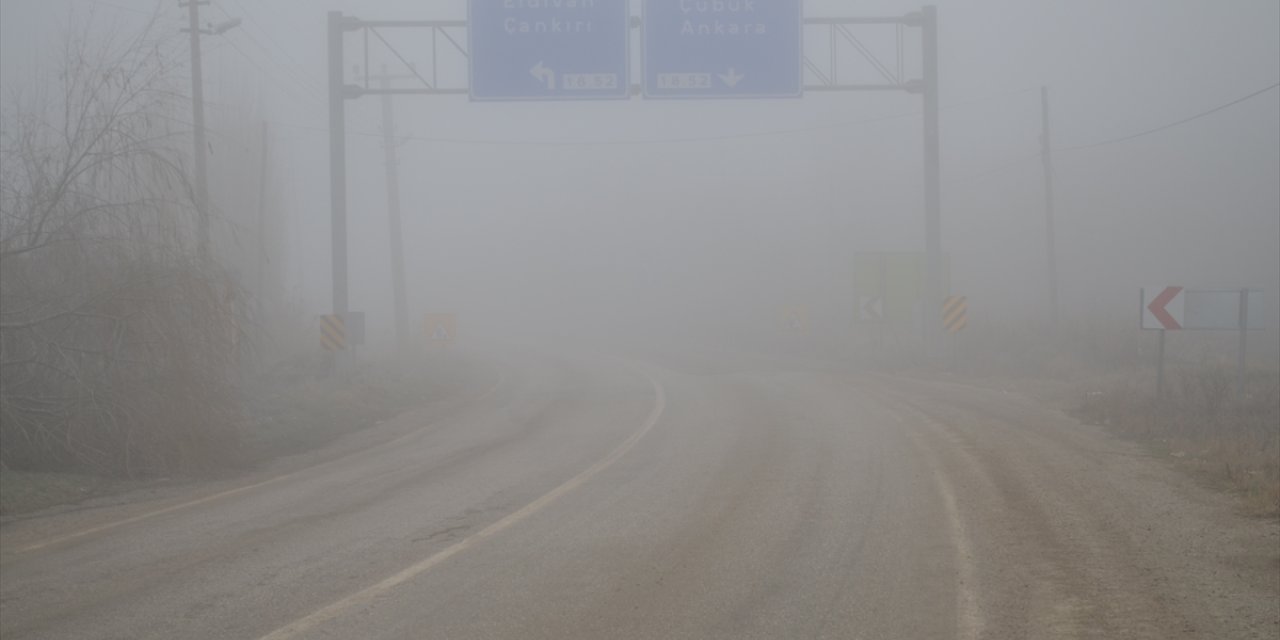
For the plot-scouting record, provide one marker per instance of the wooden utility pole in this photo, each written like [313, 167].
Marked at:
[262, 228]
[199, 146]
[1051, 250]
[400, 305]
[197, 119]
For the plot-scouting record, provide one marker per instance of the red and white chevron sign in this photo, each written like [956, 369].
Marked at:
[1162, 308]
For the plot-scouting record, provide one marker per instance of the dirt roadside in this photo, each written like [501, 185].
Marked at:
[292, 416]
[1227, 444]
[1091, 535]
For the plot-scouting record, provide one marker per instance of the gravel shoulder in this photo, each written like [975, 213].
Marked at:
[1083, 534]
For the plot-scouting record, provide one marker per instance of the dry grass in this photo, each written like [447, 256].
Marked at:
[1229, 440]
[291, 408]
[295, 406]
[119, 345]
[1104, 373]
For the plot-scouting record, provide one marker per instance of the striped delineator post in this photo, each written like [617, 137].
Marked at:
[955, 317]
[955, 314]
[333, 333]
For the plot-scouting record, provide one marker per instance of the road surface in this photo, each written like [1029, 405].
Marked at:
[585, 497]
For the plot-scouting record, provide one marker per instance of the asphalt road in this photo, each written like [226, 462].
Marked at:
[594, 498]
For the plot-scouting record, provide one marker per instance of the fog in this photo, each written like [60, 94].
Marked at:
[644, 219]
[872, 319]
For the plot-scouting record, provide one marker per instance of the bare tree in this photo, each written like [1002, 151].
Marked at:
[117, 350]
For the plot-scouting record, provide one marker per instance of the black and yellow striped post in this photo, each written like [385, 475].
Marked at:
[955, 314]
[333, 333]
[955, 317]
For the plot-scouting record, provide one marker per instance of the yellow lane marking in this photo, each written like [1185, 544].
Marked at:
[217, 496]
[368, 594]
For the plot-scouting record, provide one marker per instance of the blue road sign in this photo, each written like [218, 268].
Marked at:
[549, 49]
[723, 48]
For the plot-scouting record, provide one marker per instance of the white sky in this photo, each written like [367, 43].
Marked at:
[1198, 204]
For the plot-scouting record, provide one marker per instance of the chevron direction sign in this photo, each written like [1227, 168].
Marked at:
[871, 308]
[1179, 308]
[339, 332]
[955, 314]
[1163, 307]
[333, 333]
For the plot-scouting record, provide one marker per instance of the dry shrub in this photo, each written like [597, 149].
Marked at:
[1229, 438]
[117, 349]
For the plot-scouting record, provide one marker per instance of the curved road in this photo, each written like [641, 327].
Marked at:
[590, 498]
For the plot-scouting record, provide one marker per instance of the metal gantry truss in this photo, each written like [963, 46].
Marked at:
[447, 34]
[838, 32]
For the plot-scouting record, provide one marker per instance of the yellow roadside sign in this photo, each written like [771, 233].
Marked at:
[441, 328]
[795, 319]
[888, 286]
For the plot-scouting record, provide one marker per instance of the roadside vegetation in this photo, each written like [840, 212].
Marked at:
[127, 357]
[1106, 376]
[289, 408]
[118, 347]
[1230, 440]
[296, 405]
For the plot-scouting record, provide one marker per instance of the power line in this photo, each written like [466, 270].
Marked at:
[1013, 163]
[598, 143]
[301, 68]
[1171, 124]
[265, 72]
[300, 78]
[1022, 161]
[713, 138]
[297, 79]
[303, 75]
[110, 5]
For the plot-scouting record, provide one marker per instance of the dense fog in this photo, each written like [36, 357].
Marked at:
[710, 218]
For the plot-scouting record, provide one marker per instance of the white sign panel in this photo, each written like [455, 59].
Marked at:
[1175, 308]
[1220, 309]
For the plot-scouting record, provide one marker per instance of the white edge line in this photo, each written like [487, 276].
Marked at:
[368, 594]
[969, 619]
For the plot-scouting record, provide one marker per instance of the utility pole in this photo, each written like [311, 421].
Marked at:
[338, 163]
[1046, 156]
[197, 118]
[200, 147]
[262, 229]
[400, 307]
[932, 180]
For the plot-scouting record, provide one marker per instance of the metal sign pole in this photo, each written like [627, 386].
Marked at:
[1046, 156]
[338, 164]
[882, 293]
[1160, 369]
[507, 80]
[1244, 331]
[932, 180]
[400, 305]
[955, 352]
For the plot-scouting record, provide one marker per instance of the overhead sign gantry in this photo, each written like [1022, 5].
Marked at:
[580, 49]
[723, 49]
[537, 50]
